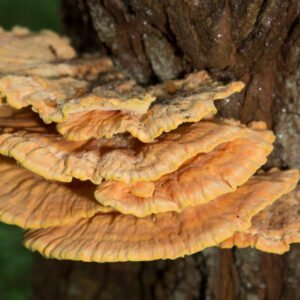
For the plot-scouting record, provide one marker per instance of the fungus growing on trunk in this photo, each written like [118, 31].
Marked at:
[189, 101]
[22, 50]
[55, 99]
[274, 228]
[199, 180]
[127, 172]
[118, 237]
[37, 203]
[44, 54]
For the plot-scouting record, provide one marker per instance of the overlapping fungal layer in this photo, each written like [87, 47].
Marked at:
[273, 229]
[110, 171]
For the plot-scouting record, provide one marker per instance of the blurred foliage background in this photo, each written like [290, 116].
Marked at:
[16, 261]
[35, 14]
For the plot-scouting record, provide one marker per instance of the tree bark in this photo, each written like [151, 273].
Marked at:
[256, 41]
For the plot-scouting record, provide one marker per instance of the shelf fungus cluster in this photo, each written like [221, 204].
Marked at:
[97, 168]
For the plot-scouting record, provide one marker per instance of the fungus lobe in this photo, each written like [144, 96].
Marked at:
[117, 237]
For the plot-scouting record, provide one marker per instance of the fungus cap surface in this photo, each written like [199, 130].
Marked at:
[87, 67]
[274, 228]
[117, 237]
[125, 96]
[189, 103]
[21, 49]
[44, 95]
[201, 179]
[121, 158]
[29, 201]
[55, 99]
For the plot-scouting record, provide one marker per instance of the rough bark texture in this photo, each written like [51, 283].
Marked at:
[257, 41]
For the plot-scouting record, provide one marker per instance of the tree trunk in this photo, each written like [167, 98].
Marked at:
[256, 41]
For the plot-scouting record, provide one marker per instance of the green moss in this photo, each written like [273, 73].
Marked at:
[15, 265]
[35, 14]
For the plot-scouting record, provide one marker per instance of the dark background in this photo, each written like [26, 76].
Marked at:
[16, 261]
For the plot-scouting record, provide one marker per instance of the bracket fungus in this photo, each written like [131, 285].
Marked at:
[38, 203]
[108, 170]
[184, 103]
[44, 54]
[201, 179]
[110, 237]
[274, 228]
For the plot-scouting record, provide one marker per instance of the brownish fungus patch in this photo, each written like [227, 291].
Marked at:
[56, 99]
[274, 228]
[170, 110]
[126, 172]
